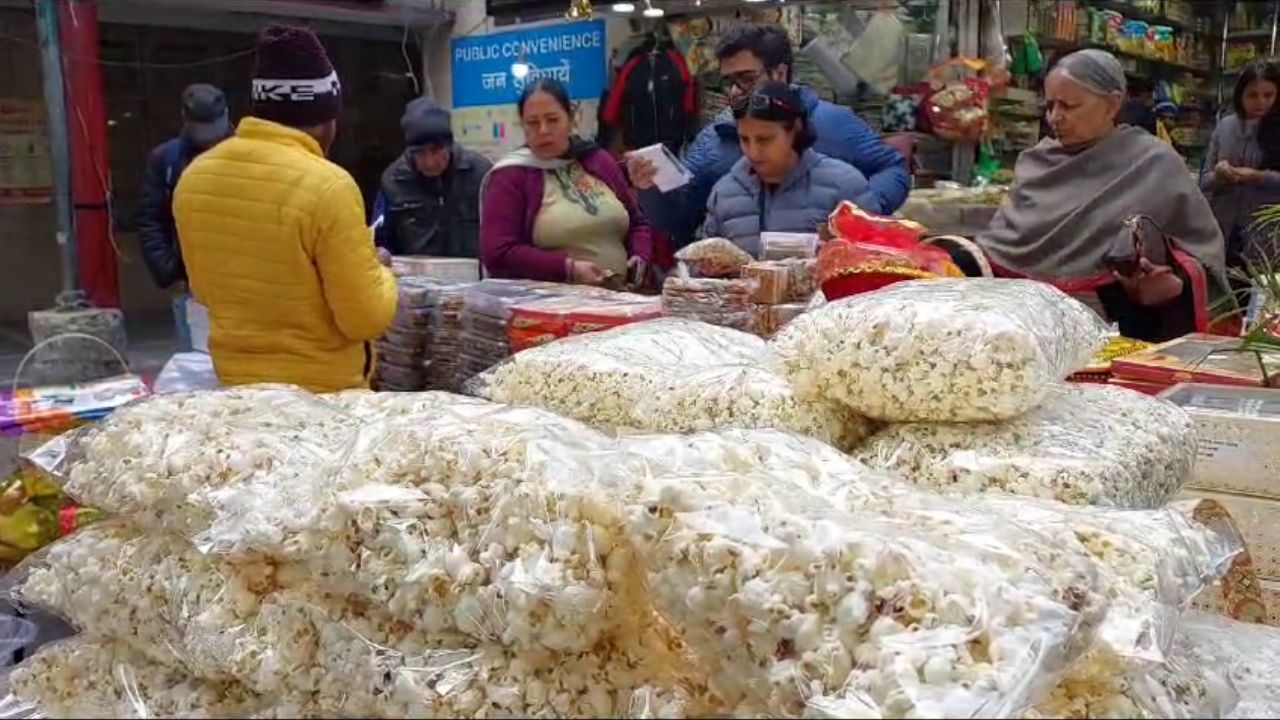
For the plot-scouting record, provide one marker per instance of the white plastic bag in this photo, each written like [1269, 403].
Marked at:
[950, 350]
[1086, 445]
[186, 372]
[876, 56]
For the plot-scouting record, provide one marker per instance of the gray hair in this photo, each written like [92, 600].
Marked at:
[1097, 71]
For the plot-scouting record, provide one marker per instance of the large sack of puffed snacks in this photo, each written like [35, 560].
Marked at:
[1086, 445]
[943, 350]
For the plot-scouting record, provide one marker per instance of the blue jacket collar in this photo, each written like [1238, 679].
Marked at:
[743, 173]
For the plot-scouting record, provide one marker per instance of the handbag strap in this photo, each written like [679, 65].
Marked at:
[968, 246]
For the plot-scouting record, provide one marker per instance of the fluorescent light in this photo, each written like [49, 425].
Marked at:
[624, 7]
[652, 12]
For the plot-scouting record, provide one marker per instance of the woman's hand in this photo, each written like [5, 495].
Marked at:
[1247, 175]
[1225, 172]
[584, 272]
[637, 273]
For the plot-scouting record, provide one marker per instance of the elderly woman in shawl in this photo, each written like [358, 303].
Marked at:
[1067, 219]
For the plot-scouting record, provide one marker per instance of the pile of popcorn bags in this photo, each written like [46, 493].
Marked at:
[653, 521]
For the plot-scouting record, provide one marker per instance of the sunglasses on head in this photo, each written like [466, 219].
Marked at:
[757, 103]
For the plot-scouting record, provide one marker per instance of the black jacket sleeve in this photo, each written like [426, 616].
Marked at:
[157, 234]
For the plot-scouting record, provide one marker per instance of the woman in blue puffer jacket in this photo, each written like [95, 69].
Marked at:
[781, 184]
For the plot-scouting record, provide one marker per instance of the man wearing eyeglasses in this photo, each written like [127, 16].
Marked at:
[749, 56]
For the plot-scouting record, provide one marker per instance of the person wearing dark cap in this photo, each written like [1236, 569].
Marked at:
[431, 194]
[205, 123]
[274, 234]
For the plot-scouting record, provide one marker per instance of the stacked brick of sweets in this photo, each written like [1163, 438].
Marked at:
[486, 308]
[402, 350]
[783, 289]
[1238, 467]
[445, 336]
[731, 289]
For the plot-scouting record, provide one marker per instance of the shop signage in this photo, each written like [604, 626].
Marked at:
[25, 173]
[573, 53]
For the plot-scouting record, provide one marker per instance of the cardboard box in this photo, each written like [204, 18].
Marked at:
[1239, 433]
[1197, 358]
[1258, 520]
[449, 269]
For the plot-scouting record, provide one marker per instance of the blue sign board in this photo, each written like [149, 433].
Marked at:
[573, 53]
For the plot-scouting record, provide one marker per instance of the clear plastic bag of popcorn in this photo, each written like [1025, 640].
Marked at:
[266, 627]
[165, 600]
[746, 397]
[228, 469]
[618, 679]
[485, 523]
[86, 678]
[369, 406]
[714, 258]
[598, 378]
[1086, 445]
[1249, 653]
[946, 350]
[1104, 685]
[1148, 563]
[792, 605]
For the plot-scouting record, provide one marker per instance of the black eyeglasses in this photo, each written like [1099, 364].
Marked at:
[759, 102]
[744, 80]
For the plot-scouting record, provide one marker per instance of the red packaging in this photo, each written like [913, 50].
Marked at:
[871, 252]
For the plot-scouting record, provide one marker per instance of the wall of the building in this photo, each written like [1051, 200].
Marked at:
[28, 250]
[146, 65]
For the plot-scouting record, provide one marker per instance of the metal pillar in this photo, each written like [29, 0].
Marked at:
[59, 149]
[87, 141]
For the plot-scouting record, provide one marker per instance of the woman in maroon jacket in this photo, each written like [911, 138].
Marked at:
[559, 209]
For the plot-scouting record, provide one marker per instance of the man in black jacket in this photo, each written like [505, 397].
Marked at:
[205, 123]
[430, 196]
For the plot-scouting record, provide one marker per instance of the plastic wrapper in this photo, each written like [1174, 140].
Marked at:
[1105, 686]
[793, 605]
[221, 622]
[1152, 562]
[717, 302]
[599, 378]
[368, 406]
[561, 316]
[34, 513]
[442, 343]
[1086, 445]
[82, 678]
[940, 350]
[745, 396]
[452, 520]
[228, 469]
[1148, 564]
[714, 258]
[771, 280]
[802, 281]
[1250, 653]
[55, 408]
[488, 681]
[853, 224]
[788, 246]
[849, 268]
[392, 378]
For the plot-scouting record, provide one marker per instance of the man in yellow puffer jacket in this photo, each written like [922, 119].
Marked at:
[274, 235]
